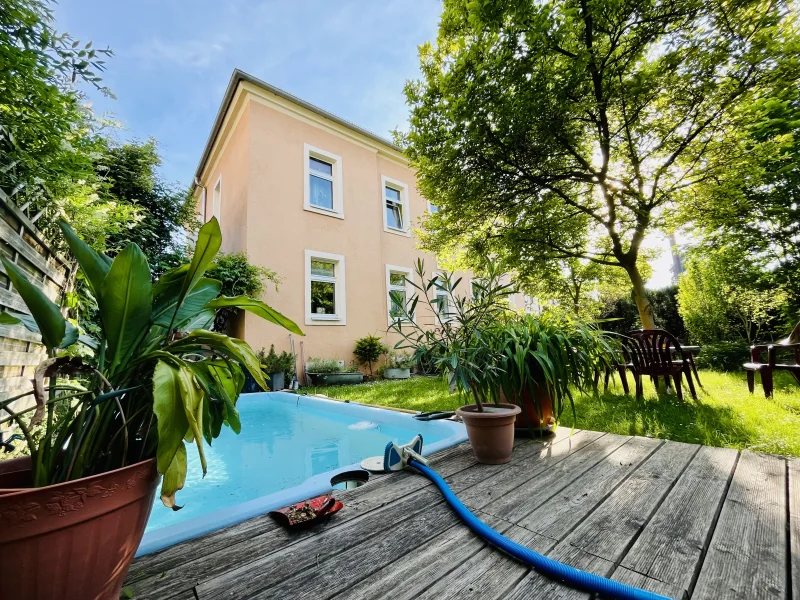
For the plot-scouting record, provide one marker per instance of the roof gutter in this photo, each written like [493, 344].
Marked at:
[239, 76]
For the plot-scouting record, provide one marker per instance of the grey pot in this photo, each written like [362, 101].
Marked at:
[397, 373]
[276, 382]
[336, 378]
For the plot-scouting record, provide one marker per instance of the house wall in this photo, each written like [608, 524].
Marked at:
[261, 158]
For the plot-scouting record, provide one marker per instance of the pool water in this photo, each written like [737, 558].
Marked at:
[288, 449]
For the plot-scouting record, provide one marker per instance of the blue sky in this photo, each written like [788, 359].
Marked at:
[173, 60]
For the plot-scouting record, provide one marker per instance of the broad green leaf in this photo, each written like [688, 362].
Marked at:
[227, 387]
[192, 398]
[222, 344]
[194, 302]
[9, 319]
[174, 478]
[201, 320]
[209, 239]
[172, 423]
[126, 300]
[70, 336]
[170, 278]
[94, 265]
[257, 307]
[49, 319]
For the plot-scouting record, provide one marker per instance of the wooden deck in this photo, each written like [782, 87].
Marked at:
[683, 520]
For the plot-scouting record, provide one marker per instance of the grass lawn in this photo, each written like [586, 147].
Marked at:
[726, 414]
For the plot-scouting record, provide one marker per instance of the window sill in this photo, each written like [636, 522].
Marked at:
[394, 230]
[323, 211]
[315, 319]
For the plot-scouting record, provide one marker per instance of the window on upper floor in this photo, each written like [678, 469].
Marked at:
[442, 297]
[323, 182]
[432, 208]
[396, 218]
[325, 288]
[397, 291]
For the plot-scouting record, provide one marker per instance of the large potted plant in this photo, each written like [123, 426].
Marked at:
[279, 368]
[73, 513]
[461, 348]
[323, 371]
[543, 359]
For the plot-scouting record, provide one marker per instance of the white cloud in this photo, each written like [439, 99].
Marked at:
[192, 54]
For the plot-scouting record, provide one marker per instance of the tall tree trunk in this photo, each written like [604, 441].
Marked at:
[640, 296]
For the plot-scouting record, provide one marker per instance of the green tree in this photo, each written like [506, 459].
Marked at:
[724, 296]
[755, 207]
[369, 350]
[568, 129]
[47, 133]
[129, 176]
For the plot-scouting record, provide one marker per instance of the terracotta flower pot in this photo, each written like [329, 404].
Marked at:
[537, 411]
[74, 540]
[490, 432]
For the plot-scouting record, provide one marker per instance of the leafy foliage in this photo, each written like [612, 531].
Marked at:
[723, 356]
[272, 362]
[159, 379]
[547, 131]
[725, 296]
[328, 365]
[400, 360]
[620, 314]
[369, 350]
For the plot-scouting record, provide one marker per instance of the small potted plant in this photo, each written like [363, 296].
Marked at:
[462, 351]
[398, 366]
[369, 350]
[278, 367]
[332, 372]
[74, 511]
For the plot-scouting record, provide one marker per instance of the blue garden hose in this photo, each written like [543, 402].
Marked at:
[552, 568]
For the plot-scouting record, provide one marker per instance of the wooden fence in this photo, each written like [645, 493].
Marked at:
[21, 350]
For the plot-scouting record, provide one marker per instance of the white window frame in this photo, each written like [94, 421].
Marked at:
[407, 288]
[404, 205]
[340, 318]
[437, 292]
[216, 200]
[335, 161]
[202, 204]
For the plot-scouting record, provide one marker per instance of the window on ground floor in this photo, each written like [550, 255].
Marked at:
[325, 288]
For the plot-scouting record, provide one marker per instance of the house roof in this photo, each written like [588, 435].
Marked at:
[239, 76]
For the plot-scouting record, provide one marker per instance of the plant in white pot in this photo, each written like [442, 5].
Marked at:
[72, 514]
[399, 365]
[461, 350]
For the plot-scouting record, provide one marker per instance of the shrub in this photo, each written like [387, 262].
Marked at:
[369, 350]
[723, 356]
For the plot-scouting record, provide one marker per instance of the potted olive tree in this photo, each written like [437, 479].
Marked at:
[462, 350]
[73, 513]
[398, 366]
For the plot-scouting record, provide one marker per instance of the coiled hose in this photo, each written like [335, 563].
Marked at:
[552, 568]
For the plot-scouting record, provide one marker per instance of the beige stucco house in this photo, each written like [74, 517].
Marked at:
[325, 203]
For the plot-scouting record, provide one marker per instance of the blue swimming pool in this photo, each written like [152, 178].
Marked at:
[288, 450]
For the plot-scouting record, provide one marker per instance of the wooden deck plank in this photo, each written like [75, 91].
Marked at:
[200, 558]
[519, 502]
[557, 515]
[747, 556]
[599, 541]
[488, 572]
[407, 578]
[489, 482]
[640, 509]
[667, 554]
[794, 524]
